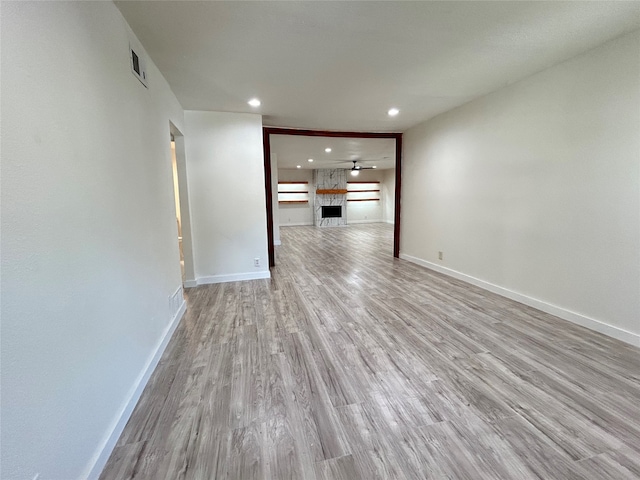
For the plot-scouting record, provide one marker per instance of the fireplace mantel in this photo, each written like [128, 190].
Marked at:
[331, 191]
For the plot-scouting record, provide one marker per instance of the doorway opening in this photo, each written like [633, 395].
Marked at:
[360, 195]
[181, 199]
[176, 196]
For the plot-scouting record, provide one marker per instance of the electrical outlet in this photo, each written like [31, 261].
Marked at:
[256, 262]
[440, 255]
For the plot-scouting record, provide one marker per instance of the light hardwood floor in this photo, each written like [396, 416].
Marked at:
[350, 364]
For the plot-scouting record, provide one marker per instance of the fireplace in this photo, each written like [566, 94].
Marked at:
[331, 211]
[330, 200]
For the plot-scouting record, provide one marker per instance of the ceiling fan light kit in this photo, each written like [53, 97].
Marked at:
[356, 168]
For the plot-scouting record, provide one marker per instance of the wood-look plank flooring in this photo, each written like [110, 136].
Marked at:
[350, 364]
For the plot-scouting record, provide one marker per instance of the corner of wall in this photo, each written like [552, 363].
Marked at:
[99, 460]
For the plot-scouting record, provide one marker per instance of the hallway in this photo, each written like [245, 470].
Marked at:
[350, 364]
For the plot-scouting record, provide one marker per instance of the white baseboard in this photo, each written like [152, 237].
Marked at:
[355, 222]
[190, 283]
[103, 452]
[305, 224]
[235, 277]
[573, 317]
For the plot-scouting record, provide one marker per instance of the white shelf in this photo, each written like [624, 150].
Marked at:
[293, 193]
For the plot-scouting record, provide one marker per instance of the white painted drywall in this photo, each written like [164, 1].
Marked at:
[89, 237]
[389, 195]
[297, 214]
[366, 212]
[535, 188]
[226, 195]
[274, 199]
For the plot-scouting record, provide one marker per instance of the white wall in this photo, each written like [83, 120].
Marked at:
[274, 199]
[296, 214]
[366, 212]
[357, 212]
[89, 237]
[226, 195]
[389, 195]
[535, 189]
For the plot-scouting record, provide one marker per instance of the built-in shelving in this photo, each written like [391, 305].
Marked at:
[293, 193]
[363, 191]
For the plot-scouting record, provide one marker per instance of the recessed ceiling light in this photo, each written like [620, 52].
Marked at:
[374, 167]
[254, 102]
[393, 112]
[310, 160]
[298, 166]
[328, 150]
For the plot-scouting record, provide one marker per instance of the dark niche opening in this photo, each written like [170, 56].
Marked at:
[332, 211]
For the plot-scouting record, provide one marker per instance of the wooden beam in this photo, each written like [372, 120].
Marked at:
[396, 224]
[328, 133]
[329, 191]
[267, 131]
[271, 249]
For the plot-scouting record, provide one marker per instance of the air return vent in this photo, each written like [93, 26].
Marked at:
[138, 64]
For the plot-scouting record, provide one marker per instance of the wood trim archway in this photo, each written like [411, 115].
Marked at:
[266, 145]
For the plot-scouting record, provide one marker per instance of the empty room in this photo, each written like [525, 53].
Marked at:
[318, 240]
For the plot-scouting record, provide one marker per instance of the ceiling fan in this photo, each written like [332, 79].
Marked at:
[356, 168]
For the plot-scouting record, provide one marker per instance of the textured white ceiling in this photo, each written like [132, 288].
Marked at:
[293, 150]
[342, 65]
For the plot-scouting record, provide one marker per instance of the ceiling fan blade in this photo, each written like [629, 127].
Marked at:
[351, 161]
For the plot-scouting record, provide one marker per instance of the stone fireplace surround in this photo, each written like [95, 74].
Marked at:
[330, 179]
